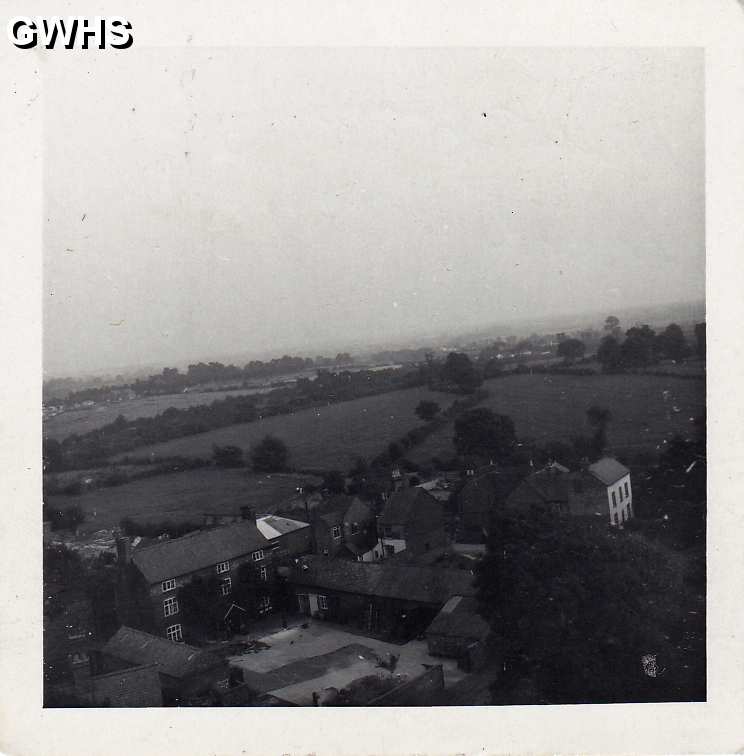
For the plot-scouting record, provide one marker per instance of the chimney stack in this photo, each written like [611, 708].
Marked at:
[246, 513]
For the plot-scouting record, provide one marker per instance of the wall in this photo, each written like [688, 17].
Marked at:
[622, 507]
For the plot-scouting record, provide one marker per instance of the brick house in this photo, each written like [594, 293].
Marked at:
[483, 493]
[412, 519]
[388, 597]
[344, 526]
[458, 631]
[223, 562]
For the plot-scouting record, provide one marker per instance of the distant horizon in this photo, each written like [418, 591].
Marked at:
[295, 199]
[424, 339]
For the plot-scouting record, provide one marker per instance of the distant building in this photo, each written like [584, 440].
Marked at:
[411, 519]
[600, 489]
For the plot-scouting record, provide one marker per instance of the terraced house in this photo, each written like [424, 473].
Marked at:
[207, 580]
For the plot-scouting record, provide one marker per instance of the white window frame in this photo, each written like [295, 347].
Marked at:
[174, 633]
[223, 567]
[257, 556]
[263, 573]
[168, 585]
[614, 500]
[626, 489]
[354, 528]
[336, 532]
[226, 586]
[170, 606]
[264, 605]
[323, 602]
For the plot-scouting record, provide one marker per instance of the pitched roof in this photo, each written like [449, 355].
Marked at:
[459, 618]
[195, 551]
[173, 659]
[405, 505]
[483, 492]
[428, 585]
[358, 511]
[608, 470]
[273, 526]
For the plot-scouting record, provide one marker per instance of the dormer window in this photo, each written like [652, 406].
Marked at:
[336, 532]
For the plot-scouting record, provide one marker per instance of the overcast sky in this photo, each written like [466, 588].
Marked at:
[212, 202]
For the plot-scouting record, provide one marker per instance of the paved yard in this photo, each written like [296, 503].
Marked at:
[301, 660]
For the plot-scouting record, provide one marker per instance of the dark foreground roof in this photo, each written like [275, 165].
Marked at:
[459, 618]
[177, 660]
[408, 505]
[427, 585]
[203, 548]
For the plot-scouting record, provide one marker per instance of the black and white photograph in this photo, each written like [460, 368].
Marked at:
[371, 376]
[375, 379]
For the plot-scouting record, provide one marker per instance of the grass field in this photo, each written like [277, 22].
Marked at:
[89, 418]
[327, 437]
[181, 497]
[553, 407]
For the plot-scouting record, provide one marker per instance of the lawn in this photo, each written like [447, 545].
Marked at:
[327, 437]
[553, 407]
[181, 497]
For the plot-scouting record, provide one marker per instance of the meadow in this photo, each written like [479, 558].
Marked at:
[87, 419]
[326, 437]
[182, 497]
[553, 408]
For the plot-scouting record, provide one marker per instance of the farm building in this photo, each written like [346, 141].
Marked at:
[394, 597]
[344, 526]
[458, 631]
[185, 672]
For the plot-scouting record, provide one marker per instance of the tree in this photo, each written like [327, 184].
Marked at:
[459, 369]
[574, 607]
[571, 350]
[482, 433]
[270, 455]
[427, 409]
[612, 327]
[334, 482]
[599, 418]
[671, 343]
[639, 348]
[227, 456]
[609, 355]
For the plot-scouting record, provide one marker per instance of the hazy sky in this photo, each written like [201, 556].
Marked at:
[204, 202]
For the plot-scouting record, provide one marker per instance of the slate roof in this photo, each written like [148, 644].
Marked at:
[176, 660]
[404, 506]
[546, 486]
[427, 585]
[459, 618]
[195, 551]
[608, 470]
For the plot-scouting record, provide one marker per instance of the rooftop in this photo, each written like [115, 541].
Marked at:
[459, 618]
[195, 551]
[608, 470]
[405, 505]
[394, 579]
[273, 526]
[177, 660]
